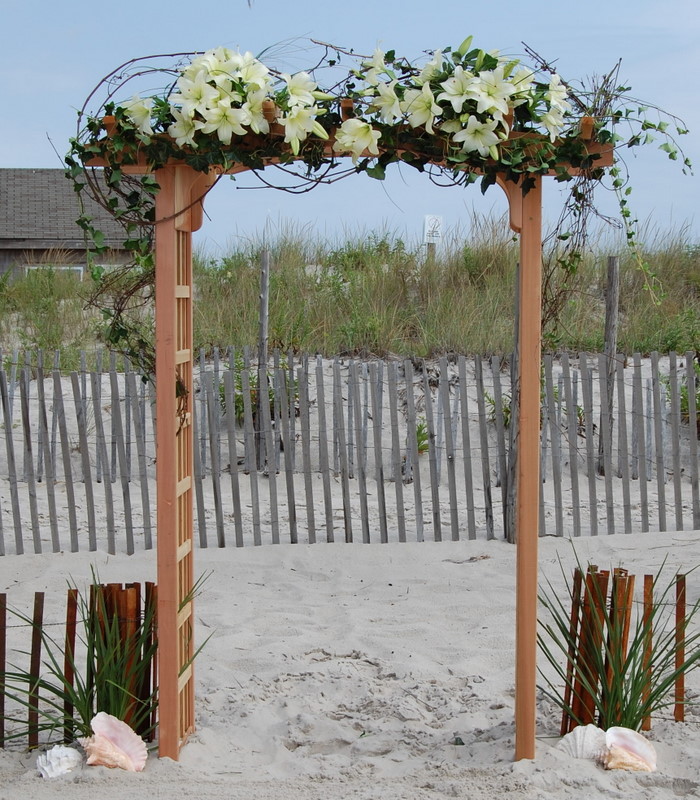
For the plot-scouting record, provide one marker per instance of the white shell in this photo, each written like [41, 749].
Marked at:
[114, 744]
[584, 741]
[59, 760]
[627, 749]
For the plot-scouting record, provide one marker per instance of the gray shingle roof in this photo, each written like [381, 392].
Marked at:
[39, 205]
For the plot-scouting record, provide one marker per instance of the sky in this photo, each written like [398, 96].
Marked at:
[53, 54]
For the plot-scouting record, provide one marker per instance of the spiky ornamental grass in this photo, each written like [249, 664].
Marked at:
[635, 683]
[108, 676]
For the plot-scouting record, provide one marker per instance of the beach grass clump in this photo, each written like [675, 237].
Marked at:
[613, 662]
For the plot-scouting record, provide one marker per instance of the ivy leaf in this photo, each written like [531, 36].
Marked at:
[378, 172]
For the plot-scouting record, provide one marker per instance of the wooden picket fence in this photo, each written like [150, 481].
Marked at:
[345, 450]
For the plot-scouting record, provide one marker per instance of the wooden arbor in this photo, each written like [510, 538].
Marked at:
[179, 207]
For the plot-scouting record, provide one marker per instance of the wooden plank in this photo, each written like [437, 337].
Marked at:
[432, 457]
[466, 447]
[11, 463]
[59, 417]
[303, 384]
[217, 408]
[351, 422]
[281, 391]
[140, 437]
[250, 455]
[102, 447]
[3, 660]
[449, 450]
[572, 436]
[640, 460]
[28, 461]
[277, 410]
[484, 441]
[41, 431]
[679, 650]
[35, 671]
[229, 390]
[198, 476]
[49, 465]
[438, 416]
[606, 436]
[339, 426]
[127, 416]
[659, 440]
[378, 457]
[118, 439]
[361, 461]
[364, 383]
[691, 383]
[587, 396]
[323, 460]
[81, 422]
[555, 434]
[202, 414]
[269, 449]
[412, 448]
[293, 394]
[502, 480]
[392, 376]
[212, 401]
[622, 441]
[69, 663]
[674, 391]
[113, 432]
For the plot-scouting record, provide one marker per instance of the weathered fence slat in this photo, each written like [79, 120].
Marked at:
[35, 672]
[484, 439]
[378, 459]
[197, 474]
[392, 377]
[229, 390]
[691, 384]
[288, 466]
[323, 461]
[11, 464]
[305, 425]
[250, 465]
[412, 449]
[432, 457]
[623, 460]
[466, 447]
[354, 381]
[555, 434]
[207, 389]
[659, 440]
[640, 458]
[449, 449]
[118, 431]
[81, 421]
[674, 391]
[28, 463]
[572, 423]
[102, 448]
[45, 446]
[3, 663]
[269, 450]
[139, 434]
[339, 426]
[606, 437]
[587, 396]
[59, 416]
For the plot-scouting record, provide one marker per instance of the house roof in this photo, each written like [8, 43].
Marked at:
[38, 209]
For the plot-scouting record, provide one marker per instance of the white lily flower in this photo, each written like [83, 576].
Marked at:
[138, 111]
[356, 137]
[300, 87]
[492, 92]
[253, 105]
[421, 107]
[553, 121]
[298, 123]
[195, 94]
[386, 103]
[222, 65]
[377, 60]
[431, 69]
[254, 73]
[478, 135]
[224, 121]
[457, 88]
[183, 129]
[557, 94]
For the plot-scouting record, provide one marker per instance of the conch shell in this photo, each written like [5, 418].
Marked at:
[627, 749]
[616, 748]
[58, 761]
[114, 744]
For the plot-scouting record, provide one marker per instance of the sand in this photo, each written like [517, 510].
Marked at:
[364, 671]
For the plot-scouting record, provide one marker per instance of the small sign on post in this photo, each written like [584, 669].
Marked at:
[432, 233]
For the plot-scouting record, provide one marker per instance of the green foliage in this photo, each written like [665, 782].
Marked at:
[422, 436]
[630, 691]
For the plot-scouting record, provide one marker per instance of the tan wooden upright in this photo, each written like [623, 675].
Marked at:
[178, 214]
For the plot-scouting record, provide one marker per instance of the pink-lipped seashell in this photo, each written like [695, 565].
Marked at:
[114, 744]
[627, 749]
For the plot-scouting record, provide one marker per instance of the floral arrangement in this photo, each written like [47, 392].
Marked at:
[462, 114]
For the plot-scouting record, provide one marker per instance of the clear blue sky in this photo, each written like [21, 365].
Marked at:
[53, 54]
